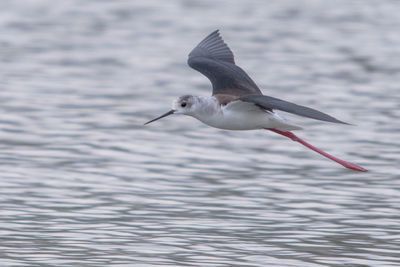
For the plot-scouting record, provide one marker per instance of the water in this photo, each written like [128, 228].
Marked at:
[84, 183]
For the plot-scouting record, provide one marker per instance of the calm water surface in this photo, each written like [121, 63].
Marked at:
[83, 183]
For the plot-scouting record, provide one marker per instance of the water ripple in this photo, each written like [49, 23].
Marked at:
[85, 184]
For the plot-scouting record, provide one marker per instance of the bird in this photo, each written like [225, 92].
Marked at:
[237, 103]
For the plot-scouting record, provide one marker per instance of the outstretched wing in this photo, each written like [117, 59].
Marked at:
[269, 103]
[213, 58]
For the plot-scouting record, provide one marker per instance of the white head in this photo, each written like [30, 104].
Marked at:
[186, 105]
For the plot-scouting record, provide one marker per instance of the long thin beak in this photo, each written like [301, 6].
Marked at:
[162, 116]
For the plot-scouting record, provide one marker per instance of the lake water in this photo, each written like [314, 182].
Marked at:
[84, 183]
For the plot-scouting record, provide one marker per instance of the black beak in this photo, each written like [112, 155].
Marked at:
[162, 116]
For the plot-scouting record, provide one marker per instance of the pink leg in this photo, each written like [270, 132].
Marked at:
[294, 137]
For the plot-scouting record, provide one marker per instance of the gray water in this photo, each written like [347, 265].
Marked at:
[84, 183]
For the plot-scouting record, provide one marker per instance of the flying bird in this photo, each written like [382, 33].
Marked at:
[237, 103]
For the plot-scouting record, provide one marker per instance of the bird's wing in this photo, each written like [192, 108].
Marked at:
[270, 103]
[213, 58]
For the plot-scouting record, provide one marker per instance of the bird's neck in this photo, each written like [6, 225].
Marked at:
[206, 107]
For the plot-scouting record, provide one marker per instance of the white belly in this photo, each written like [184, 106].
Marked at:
[240, 115]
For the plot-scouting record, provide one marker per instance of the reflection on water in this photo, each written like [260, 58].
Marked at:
[84, 183]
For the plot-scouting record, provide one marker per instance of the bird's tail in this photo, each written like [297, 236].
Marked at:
[281, 123]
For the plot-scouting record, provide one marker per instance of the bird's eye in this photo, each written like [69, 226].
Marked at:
[183, 104]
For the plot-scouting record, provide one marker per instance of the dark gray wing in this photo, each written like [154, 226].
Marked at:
[269, 103]
[213, 58]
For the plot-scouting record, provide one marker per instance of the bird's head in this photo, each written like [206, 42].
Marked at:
[182, 105]
[185, 105]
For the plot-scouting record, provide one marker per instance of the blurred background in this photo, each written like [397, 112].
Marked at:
[84, 183]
